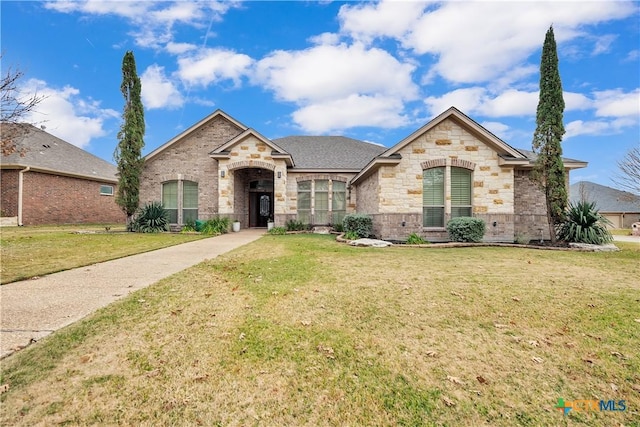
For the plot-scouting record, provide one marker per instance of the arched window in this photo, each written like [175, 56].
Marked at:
[440, 183]
[180, 200]
[322, 201]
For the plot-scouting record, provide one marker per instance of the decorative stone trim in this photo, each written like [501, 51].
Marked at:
[251, 164]
[465, 164]
[434, 163]
[178, 177]
[322, 176]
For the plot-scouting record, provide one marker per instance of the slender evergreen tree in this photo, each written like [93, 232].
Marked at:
[549, 169]
[128, 154]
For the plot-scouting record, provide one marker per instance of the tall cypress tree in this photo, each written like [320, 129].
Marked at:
[549, 169]
[128, 154]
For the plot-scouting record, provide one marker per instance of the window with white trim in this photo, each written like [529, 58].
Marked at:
[180, 200]
[106, 190]
[435, 183]
[322, 201]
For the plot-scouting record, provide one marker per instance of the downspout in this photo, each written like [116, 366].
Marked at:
[20, 187]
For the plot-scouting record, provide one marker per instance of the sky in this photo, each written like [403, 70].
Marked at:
[374, 71]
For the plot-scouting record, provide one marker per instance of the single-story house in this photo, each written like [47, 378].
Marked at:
[620, 207]
[46, 180]
[450, 167]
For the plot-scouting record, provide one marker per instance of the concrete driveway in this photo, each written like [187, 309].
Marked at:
[32, 309]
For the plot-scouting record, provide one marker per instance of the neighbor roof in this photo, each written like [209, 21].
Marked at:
[329, 152]
[607, 199]
[46, 153]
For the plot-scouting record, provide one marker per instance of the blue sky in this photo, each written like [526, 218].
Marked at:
[371, 71]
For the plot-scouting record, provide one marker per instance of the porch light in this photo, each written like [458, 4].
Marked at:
[279, 174]
[222, 174]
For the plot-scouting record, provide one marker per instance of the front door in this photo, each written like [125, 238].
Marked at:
[260, 208]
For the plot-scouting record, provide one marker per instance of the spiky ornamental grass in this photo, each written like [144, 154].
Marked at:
[152, 218]
[584, 224]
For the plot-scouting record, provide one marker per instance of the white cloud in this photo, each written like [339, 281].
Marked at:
[475, 42]
[158, 91]
[616, 103]
[153, 20]
[66, 114]
[352, 111]
[180, 48]
[213, 65]
[394, 19]
[325, 73]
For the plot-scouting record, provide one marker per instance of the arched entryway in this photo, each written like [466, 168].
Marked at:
[260, 202]
[253, 196]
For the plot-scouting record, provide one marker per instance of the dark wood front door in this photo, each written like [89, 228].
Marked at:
[260, 208]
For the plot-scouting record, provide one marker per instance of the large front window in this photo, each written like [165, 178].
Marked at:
[180, 200]
[435, 183]
[322, 201]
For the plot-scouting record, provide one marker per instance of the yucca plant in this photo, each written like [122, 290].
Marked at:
[584, 224]
[152, 218]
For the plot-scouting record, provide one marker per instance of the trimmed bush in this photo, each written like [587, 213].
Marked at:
[466, 229]
[351, 235]
[151, 218]
[362, 225]
[584, 224]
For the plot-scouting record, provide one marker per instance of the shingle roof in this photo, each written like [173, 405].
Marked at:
[43, 151]
[607, 199]
[329, 152]
[533, 156]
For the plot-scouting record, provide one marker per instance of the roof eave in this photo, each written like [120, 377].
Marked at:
[113, 180]
[375, 164]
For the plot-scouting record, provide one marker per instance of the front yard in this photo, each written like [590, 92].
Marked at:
[301, 330]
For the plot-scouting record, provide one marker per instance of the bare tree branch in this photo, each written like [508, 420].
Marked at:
[14, 106]
[628, 176]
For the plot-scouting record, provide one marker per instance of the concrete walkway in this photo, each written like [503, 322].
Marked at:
[32, 309]
[630, 239]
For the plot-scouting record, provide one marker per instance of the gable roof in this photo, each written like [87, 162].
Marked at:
[190, 130]
[44, 152]
[329, 152]
[607, 199]
[222, 152]
[568, 163]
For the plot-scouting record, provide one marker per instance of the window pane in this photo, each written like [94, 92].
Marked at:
[433, 216]
[304, 202]
[189, 215]
[189, 195]
[433, 187]
[339, 197]
[170, 195]
[304, 186]
[460, 211]
[322, 185]
[106, 190]
[460, 187]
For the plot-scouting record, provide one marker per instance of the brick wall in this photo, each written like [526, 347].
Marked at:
[530, 221]
[54, 199]
[9, 192]
[189, 159]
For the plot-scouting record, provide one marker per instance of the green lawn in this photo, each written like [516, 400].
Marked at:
[34, 251]
[301, 330]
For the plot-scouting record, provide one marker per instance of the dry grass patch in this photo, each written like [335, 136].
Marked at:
[300, 330]
[35, 251]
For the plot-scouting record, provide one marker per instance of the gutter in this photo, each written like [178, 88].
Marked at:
[20, 187]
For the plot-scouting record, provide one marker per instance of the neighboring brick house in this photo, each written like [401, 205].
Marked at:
[622, 208]
[450, 167]
[49, 181]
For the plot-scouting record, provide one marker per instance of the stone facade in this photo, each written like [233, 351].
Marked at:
[393, 194]
[54, 199]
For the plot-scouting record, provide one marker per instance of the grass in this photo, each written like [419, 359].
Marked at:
[301, 330]
[35, 251]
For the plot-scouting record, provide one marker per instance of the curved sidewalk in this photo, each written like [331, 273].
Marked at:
[32, 309]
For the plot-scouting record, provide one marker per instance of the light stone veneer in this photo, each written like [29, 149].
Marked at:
[400, 186]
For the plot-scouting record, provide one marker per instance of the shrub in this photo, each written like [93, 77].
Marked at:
[351, 235]
[151, 218]
[415, 239]
[338, 227]
[466, 229]
[189, 226]
[584, 224]
[277, 231]
[215, 226]
[295, 225]
[362, 225]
